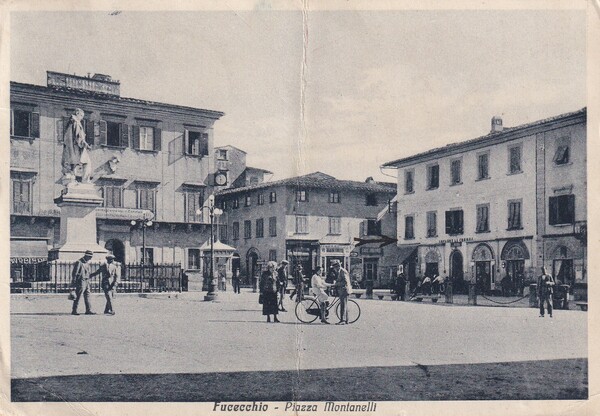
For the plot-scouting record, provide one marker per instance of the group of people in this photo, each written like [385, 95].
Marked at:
[80, 279]
[274, 281]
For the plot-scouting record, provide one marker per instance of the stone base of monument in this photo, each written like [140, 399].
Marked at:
[78, 203]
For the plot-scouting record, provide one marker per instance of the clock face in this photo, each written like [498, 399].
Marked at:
[221, 179]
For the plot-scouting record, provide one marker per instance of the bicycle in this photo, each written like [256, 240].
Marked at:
[307, 310]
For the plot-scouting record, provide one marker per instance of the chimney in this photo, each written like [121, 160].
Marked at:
[496, 124]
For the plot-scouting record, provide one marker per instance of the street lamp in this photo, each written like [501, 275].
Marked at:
[144, 223]
[212, 213]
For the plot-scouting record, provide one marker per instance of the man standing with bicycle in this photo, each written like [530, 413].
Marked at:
[344, 288]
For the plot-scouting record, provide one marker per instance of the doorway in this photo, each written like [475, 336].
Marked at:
[483, 276]
[370, 269]
[252, 265]
[117, 248]
[457, 272]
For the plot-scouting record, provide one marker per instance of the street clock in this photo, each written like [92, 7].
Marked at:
[221, 178]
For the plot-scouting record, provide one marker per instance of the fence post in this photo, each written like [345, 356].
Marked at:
[55, 276]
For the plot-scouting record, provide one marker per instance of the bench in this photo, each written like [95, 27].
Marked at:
[381, 296]
[582, 305]
[420, 297]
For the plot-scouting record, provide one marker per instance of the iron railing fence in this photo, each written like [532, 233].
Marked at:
[55, 277]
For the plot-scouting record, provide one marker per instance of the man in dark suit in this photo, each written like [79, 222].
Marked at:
[545, 289]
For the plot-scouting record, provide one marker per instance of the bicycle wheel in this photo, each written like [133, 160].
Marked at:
[353, 311]
[304, 309]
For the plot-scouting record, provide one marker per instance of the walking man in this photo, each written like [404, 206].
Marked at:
[344, 289]
[235, 280]
[81, 280]
[111, 274]
[298, 283]
[282, 281]
[401, 286]
[545, 289]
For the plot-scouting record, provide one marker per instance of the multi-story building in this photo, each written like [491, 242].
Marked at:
[311, 220]
[150, 159]
[503, 204]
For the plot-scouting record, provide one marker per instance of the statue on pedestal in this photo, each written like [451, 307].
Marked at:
[75, 150]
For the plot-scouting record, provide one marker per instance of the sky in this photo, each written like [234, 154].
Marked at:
[340, 92]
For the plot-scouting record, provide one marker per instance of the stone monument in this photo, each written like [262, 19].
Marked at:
[79, 198]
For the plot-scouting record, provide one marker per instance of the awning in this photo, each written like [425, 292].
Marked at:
[404, 252]
[29, 248]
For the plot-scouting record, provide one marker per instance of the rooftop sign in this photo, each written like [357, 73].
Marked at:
[98, 83]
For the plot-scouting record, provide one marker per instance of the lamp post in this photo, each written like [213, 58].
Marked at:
[212, 213]
[144, 223]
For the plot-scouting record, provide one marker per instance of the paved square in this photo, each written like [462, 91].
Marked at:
[186, 335]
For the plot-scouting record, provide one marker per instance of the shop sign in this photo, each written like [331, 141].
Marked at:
[376, 251]
[456, 240]
[27, 260]
[353, 254]
[332, 249]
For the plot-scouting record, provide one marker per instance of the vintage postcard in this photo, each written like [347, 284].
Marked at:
[299, 207]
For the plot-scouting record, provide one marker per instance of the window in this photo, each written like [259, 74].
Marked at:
[335, 225]
[373, 227]
[222, 154]
[235, 203]
[261, 199]
[273, 226]
[113, 196]
[455, 172]
[247, 229]
[260, 228]
[147, 255]
[432, 224]
[236, 230]
[483, 166]
[562, 209]
[247, 201]
[21, 195]
[514, 159]
[334, 197]
[195, 143]
[483, 218]
[301, 196]
[409, 232]
[272, 255]
[301, 224]
[561, 157]
[273, 197]
[514, 215]
[371, 199]
[223, 232]
[193, 258]
[146, 198]
[146, 138]
[454, 222]
[113, 134]
[409, 177]
[433, 176]
[24, 123]
[194, 200]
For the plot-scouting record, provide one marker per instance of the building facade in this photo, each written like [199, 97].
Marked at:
[309, 220]
[150, 160]
[500, 205]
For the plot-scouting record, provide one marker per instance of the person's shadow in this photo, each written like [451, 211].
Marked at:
[41, 313]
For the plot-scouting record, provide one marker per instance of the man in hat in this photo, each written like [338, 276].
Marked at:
[282, 281]
[344, 289]
[81, 280]
[111, 273]
[545, 289]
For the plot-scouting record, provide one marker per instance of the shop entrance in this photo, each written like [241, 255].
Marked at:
[456, 273]
[370, 269]
[483, 276]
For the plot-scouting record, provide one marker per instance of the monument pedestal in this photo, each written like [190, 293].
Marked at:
[78, 203]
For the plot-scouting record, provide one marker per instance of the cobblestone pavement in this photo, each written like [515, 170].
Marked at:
[162, 334]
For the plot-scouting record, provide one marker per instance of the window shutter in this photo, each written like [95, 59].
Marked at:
[571, 208]
[124, 135]
[135, 137]
[35, 125]
[89, 132]
[203, 144]
[60, 129]
[12, 122]
[157, 139]
[448, 222]
[460, 221]
[186, 141]
[102, 133]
